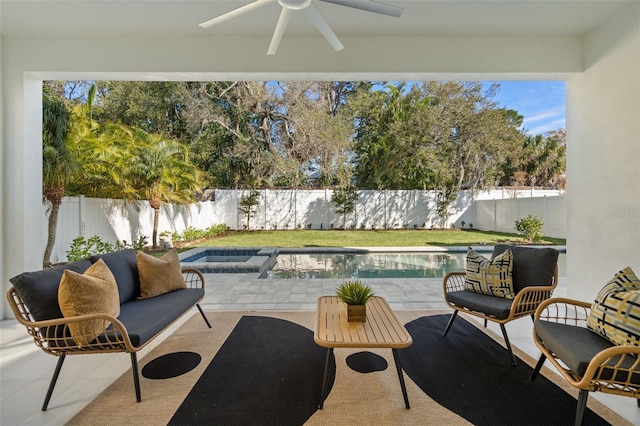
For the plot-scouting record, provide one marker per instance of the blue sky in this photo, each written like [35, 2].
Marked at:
[541, 103]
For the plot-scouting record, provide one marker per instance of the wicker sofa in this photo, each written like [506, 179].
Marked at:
[34, 301]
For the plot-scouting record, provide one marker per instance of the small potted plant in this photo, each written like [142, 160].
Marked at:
[355, 294]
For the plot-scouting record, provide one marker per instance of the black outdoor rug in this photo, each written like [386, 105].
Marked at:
[267, 372]
[469, 373]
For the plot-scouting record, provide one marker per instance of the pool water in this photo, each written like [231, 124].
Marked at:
[371, 265]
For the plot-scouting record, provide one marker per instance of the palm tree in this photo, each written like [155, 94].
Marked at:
[155, 169]
[57, 163]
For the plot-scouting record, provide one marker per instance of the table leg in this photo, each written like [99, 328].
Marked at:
[325, 377]
[401, 377]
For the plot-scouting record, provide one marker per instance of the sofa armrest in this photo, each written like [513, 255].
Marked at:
[193, 278]
[53, 336]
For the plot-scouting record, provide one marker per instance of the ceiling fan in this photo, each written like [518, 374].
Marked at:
[312, 12]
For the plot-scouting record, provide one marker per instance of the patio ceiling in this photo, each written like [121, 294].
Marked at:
[421, 18]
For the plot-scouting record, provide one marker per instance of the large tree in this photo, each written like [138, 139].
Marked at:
[57, 162]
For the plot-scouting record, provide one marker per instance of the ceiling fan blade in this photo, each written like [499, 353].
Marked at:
[321, 24]
[236, 12]
[283, 21]
[370, 6]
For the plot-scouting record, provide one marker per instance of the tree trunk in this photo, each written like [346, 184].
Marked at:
[156, 218]
[155, 204]
[51, 233]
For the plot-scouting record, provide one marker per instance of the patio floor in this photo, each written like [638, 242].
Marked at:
[25, 371]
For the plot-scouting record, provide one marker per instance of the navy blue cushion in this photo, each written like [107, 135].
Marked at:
[124, 267]
[39, 289]
[145, 318]
[497, 307]
[532, 266]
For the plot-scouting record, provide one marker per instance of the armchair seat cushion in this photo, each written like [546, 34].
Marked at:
[497, 307]
[574, 345]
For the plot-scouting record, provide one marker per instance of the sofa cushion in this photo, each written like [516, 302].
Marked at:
[490, 277]
[94, 292]
[124, 267]
[39, 289]
[159, 275]
[144, 318]
[615, 313]
[532, 266]
[497, 307]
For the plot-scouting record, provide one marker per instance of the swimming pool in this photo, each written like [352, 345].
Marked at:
[371, 265]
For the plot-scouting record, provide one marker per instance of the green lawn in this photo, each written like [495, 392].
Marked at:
[382, 238]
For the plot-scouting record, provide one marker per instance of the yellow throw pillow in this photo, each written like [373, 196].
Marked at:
[492, 277]
[159, 275]
[94, 292]
[615, 313]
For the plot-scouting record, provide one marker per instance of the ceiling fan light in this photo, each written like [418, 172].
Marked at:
[294, 4]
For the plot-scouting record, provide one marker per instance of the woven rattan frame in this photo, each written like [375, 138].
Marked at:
[525, 303]
[605, 372]
[52, 336]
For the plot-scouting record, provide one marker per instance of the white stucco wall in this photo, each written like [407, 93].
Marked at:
[603, 157]
[28, 60]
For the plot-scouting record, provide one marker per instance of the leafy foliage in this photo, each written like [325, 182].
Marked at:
[354, 292]
[248, 206]
[261, 134]
[82, 248]
[344, 199]
[530, 227]
[192, 234]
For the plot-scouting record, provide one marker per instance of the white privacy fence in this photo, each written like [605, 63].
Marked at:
[495, 210]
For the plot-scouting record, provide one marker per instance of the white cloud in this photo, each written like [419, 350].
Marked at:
[556, 124]
[558, 111]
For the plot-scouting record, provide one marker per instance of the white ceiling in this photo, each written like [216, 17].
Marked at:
[421, 18]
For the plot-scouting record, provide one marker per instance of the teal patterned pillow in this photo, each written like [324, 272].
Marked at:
[615, 313]
[492, 277]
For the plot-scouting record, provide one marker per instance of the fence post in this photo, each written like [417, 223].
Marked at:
[81, 213]
[266, 206]
[546, 213]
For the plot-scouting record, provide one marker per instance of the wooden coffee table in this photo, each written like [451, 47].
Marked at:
[381, 330]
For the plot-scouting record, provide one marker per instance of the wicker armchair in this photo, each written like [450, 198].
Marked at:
[54, 337]
[587, 361]
[535, 276]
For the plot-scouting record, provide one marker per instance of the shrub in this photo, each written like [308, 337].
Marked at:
[192, 234]
[530, 227]
[82, 248]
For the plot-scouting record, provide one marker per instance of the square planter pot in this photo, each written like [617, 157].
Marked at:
[356, 313]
